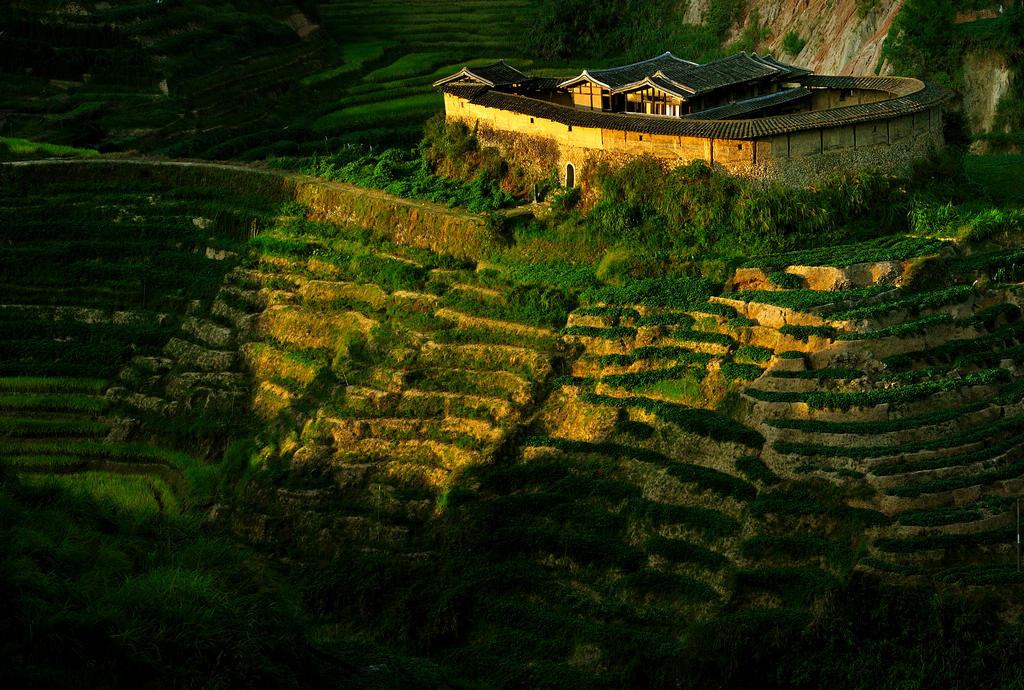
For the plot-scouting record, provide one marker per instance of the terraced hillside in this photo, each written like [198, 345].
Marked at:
[908, 395]
[107, 377]
[239, 80]
[518, 480]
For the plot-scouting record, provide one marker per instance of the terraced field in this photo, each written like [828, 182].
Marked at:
[105, 376]
[910, 396]
[576, 474]
[287, 78]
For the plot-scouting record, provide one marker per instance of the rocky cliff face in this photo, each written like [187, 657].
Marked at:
[839, 39]
[987, 78]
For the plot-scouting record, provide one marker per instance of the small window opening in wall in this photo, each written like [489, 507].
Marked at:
[570, 175]
[531, 120]
[641, 137]
[570, 128]
[739, 147]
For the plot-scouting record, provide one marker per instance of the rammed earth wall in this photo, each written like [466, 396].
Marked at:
[541, 146]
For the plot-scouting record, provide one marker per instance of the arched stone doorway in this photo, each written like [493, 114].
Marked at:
[570, 175]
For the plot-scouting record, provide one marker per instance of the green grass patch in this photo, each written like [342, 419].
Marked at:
[42, 384]
[34, 426]
[12, 148]
[56, 402]
[419, 106]
[134, 494]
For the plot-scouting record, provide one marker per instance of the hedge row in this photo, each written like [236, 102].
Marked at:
[650, 352]
[1011, 471]
[892, 248]
[868, 428]
[692, 336]
[679, 293]
[913, 301]
[989, 452]
[981, 433]
[901, 330]
[878, 396]
[637, 379]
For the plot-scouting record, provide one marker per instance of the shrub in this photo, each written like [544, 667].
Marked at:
[678, 293]
[734, 371]
[789, 281]
[693, 209]
[754, 469]
[755, 353]
[804, 333]
[792, 43]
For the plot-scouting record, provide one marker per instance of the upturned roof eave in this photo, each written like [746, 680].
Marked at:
[585, 75]
[464, 72]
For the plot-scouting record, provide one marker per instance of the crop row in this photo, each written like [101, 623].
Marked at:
[982, 432]
[879, 427]
[902, 394]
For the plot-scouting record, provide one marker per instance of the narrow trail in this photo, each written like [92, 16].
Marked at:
[286, 177]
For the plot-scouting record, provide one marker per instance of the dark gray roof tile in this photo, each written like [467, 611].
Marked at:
[917, 97]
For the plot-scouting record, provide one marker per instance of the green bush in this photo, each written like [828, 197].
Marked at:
[650, 352]
[792, 43]
[448, 168]
[755, 353]
[641, 379]
[734, 371]
[788, 281]
[804, 333]
[678, 293]
[693, 209]
[754, 469]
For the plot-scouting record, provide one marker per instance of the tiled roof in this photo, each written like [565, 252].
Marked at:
[917, 97]
[750, 105]
[897, 86]
[616, 77]
[686, 79]
[735, 69]
[499, 73]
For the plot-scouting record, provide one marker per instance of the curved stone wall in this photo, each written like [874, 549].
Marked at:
[539, 145]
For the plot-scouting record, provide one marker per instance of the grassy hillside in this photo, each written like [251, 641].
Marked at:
[238, 79]
[249, 80]
[689, 432]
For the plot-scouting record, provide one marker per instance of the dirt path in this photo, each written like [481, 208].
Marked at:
[296, 179]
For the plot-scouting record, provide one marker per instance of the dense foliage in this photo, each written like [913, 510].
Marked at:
[634, 28]
[449, 167]
[694, 210]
